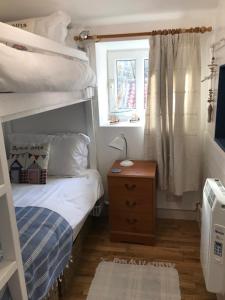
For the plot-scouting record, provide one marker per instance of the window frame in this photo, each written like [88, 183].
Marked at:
[105, 81]
[139, 55]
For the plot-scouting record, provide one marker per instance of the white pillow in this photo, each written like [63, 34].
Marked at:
[68, 155]
[53, 26]
[68, 152]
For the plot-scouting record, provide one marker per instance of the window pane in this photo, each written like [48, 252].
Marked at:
[145, 81]
[126, 84]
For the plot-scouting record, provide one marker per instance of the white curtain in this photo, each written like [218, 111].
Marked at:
[89, 47]
[173, 111]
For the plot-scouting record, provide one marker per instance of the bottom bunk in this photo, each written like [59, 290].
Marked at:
[66, 280]
[62, 286]
[51, 220]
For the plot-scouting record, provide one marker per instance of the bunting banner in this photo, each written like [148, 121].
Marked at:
[35, 156]
[30, 158]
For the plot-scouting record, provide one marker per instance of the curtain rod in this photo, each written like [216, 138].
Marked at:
[86, 36]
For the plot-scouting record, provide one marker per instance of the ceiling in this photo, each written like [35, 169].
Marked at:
[99, 11]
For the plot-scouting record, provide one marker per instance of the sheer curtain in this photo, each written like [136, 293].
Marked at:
[172, 126]
[89, 47]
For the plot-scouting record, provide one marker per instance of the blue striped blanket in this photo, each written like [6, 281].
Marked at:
[46, 241]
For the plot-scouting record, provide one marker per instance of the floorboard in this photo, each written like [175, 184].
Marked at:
[177, 242]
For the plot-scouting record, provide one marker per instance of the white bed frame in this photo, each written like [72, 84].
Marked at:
[14, 106]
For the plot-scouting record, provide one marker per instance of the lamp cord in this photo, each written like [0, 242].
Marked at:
[125, 140]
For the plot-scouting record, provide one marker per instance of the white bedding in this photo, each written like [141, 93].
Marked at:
[30, 72]
[72, 198]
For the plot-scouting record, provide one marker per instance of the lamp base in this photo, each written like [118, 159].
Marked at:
[126, 163]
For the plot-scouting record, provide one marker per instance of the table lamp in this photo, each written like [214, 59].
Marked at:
[120, 143]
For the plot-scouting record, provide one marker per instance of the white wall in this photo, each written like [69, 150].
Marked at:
[67, 119]
[107, 155]
[214, 157]
[153, 21]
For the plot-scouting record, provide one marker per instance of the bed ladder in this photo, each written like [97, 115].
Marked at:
[11, 267]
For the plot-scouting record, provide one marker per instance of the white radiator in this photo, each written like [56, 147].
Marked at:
[213, 236]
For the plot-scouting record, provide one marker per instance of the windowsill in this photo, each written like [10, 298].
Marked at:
[123, 124]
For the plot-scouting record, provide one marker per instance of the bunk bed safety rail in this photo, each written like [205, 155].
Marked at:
[13, 35]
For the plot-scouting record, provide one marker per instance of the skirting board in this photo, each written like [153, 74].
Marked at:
[176, 214]
[163, 213]
[220, 297]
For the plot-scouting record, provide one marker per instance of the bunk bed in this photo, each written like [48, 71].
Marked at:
[15, 104]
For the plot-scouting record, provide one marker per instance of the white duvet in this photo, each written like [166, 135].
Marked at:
[72, 198]
[30, 72]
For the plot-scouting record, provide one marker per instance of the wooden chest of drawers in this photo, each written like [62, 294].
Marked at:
[132, 199]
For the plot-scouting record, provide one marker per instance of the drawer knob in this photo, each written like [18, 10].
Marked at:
[130, 203]
[131, 221]
[130, 187]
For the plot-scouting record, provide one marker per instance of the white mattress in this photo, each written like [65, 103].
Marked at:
[30, 72]
[72, 198]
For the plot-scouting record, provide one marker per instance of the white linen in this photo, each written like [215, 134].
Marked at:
[69, 154]
[29, 72]
[68, 151]
[72, 198]
[53, 26]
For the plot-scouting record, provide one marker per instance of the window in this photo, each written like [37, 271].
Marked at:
[125, 84]
[122, 91]
[123, 80]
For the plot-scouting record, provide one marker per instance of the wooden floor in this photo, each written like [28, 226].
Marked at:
[177, 242]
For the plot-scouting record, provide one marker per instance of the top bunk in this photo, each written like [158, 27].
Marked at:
[38, 74]
[13, 35]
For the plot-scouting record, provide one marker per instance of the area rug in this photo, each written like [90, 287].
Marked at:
[124, 281]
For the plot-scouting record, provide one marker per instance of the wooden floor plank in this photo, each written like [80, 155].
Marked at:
[177, 242]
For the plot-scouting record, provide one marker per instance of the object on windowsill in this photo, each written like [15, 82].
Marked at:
[113, 119]
[134, 118]
[134, 121]
[119, 143]
[114, 122]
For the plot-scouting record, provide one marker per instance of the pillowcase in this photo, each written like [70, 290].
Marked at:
[53, 26]
[69, 154]
[37, 164]
[17, 162]
[29, 163]
[68, 151]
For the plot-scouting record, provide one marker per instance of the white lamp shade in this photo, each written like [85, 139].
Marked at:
[117, 143]
[120, 143]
